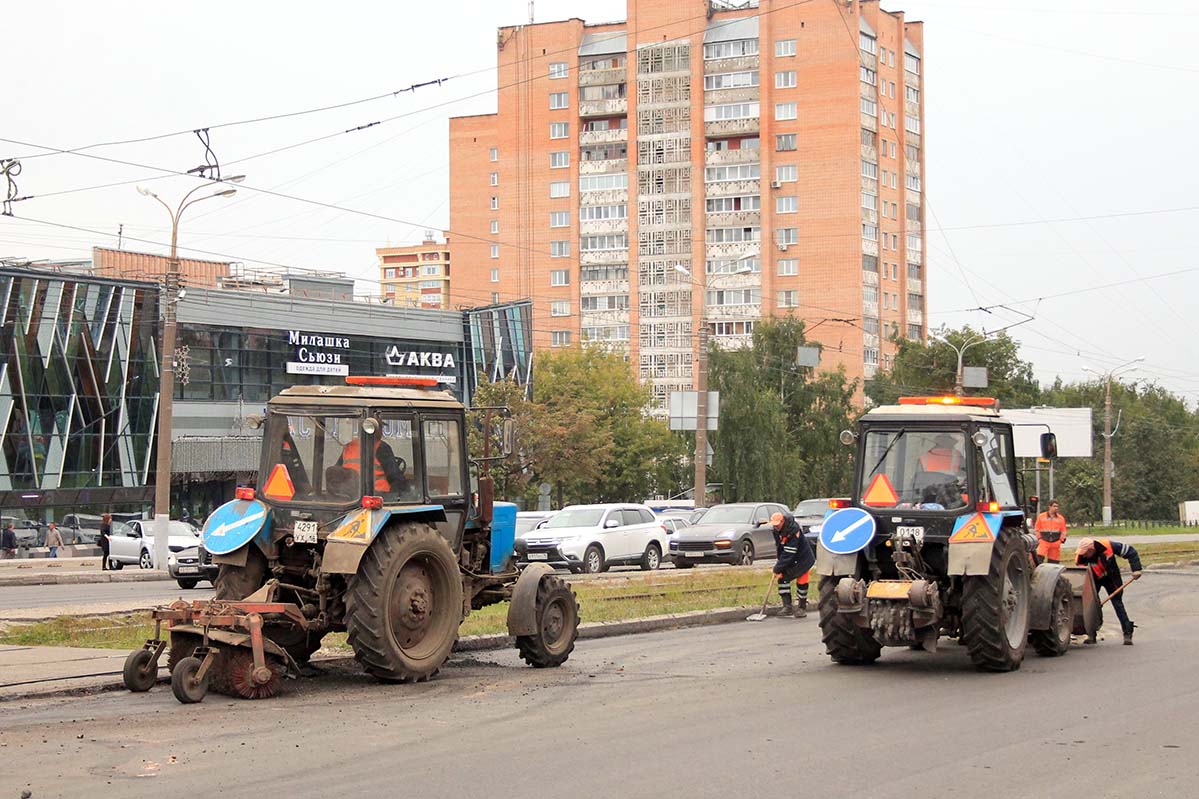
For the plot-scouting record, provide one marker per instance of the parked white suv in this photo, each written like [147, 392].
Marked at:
[590, 538]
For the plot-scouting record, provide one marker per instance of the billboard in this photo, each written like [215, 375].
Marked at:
[1072, 426]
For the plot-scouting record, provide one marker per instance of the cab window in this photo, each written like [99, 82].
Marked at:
[398, 442]
[443, 459]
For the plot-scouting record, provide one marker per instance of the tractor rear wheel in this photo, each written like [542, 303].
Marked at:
[995, 607]
[182, 645]
[1056, 640]
[405, 604]
[844, 640]
[234, 583]
[557, 625]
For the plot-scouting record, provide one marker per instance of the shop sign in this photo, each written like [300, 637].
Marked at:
[318, 354]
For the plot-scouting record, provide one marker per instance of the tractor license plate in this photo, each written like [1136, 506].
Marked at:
[916, 533]
[189, 570]
[693, 554]
[305, 533]
[538, 556]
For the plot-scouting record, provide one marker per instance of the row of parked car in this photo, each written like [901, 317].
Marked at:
[592, 538]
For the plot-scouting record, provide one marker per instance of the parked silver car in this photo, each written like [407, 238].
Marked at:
[732, 533]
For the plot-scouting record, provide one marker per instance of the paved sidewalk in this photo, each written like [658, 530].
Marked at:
[41, 670]
[57, 571]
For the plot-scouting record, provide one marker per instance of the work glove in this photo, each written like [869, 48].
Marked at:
[1136, 575]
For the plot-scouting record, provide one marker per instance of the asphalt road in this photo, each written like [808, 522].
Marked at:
[739, 710]
[138, 594]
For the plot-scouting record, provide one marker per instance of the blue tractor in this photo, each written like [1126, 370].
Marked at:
[363, 521]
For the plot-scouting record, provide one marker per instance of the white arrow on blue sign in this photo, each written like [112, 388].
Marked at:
[847, 531]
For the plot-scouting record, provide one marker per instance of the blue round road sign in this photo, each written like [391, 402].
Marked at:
[847, 531]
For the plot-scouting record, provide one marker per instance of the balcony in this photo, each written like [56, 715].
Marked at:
[745, 63]
[915, 285]
[869, 217]
[719, 282]
[869, 153]
[602, 77]
[737, 312]
[869, 308]
[734, 219]
[604, 318]
[869, 122]
[912, 167]
[869, 370]
[604, 257]
[724, 128]
[592, 287]
[915, 316]
[869, 339]
[869, 60]
[603, 167]
[745, 94]
[603, 108]
[911, 138]
[869, 247]
[869, 185]
[589, 137]
[871, 278]
[734, 249]
[915, 257]
[606, 196]
[747, 155]
[911, 109]
[732, 188]
[591, 227]
[734, 342]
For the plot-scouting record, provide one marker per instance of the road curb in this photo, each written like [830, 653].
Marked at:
[82, 579]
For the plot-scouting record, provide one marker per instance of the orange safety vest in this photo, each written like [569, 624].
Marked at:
[351, 458]
[1103, 552]
[938, 459]
[1047, 525]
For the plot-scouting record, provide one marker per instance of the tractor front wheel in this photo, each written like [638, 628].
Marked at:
[557, 625]
[405, 604]
[995, 607]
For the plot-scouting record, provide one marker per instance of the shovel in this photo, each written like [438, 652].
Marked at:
[761, 615]
[1117, 592]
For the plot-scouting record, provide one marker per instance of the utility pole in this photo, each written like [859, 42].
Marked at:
[166, 394]
[1108, 432]
[700, 492]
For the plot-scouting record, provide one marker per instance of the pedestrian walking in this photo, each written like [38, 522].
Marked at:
[1100, 554]
[1051, 533]
[795, 560]
[53, 539]
[105, 533]
[8, 541]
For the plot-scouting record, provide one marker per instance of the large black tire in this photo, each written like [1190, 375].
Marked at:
[844, 641]
[557, 623]
[188, 584]
[651, 560]
[995, 607]
[234, 583]
[1056, 640]
[405, 604]
[182, 645]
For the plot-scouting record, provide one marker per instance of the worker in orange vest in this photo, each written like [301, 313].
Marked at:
[1051, 533]
[945, 456]
[1100, 555]
[386, 470]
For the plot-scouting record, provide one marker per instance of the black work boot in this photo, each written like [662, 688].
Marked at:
[1128, 634]
[787, 606]
[801, 608]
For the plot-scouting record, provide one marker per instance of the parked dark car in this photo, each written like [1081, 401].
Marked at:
[734, 533]
[810, 514]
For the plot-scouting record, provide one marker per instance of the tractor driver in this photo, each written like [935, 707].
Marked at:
[945, 457]
[388, 472]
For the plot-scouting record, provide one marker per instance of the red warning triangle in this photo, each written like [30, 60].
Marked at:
[881, 493]
[279, 485]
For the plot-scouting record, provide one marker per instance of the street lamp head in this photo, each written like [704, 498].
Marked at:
[143, 191]
[744, 269]
[234, 179]
[682, 269]
[225, 193]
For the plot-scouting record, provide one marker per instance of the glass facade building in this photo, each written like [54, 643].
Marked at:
[78, 390]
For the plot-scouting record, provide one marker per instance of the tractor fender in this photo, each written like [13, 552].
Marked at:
[1044, 581]
[346, 545]
[522, 610]
[829, 564]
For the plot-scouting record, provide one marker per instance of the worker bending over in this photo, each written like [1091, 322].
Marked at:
[1100, 554]
[795, 560]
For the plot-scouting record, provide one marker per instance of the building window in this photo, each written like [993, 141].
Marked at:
[495, 178]
[559, 69]
[495, 276]
[726, 235]
[869, 201]
[559, 218]
[787, 236]
[495, 203]
[785, 111]
[559, 130]
[784, 48]
[560, 189]
[560, 249]
[735, 297]
[788, 299]
[494, 154]
[912, 182]
[592, 213]
[785, 142]
[721, 174]
[869, 170]
[560, 277]
[495, 297]
[718, 205]
[868, 43]
[785, 80]
[911, 94]
[911, 124]
[870, 232]
[560, 160]
[786, 173]
[915, 331]
[495, 251]
[605, 272]
[868, 75]
[786, 205]
[560, 338]
[560, 308]
[730, 80]
[389, 274]
[558, 100]
[734, 49]
[869, 107]
[430, 271]
[788, 267]
[717, 113]
[612, 180]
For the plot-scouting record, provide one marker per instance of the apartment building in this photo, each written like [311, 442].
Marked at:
[701, 162]
[417, 275]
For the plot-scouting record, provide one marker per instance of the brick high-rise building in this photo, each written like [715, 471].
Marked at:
[416, 274]
[767, 153]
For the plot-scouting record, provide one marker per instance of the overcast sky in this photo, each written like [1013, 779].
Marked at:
[1037, 114]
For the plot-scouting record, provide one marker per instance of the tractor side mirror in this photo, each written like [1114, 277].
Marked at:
[1048, 445]
[508, 437]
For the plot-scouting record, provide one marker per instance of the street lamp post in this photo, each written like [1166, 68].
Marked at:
[700, 493]
[958, 380]
[166, 393]
[1108, 433]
